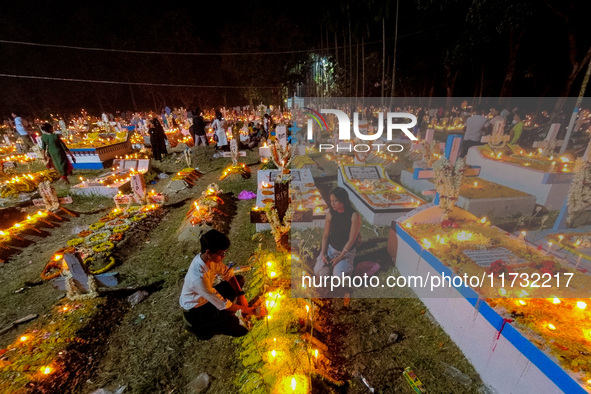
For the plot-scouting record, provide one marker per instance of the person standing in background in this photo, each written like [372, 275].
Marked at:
[22, 131]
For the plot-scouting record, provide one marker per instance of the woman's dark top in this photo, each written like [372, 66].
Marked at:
[340, 228]
[199, 124]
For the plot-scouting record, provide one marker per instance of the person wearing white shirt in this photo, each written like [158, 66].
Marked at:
[209, 310]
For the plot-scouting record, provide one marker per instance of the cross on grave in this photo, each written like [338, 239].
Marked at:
[281, 190]
[498, 139]
[80, 275]
[51, 202]
[418, 146]
[452, 152]
[415, 146]
[550, 142]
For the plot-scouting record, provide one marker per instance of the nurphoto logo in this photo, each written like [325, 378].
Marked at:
[394, 121]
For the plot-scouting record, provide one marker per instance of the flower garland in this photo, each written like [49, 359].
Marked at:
[90, 260]
[579, 194]
[239, 168]
[281, 155]
[448, 181]
[97, 238]
[428, 150]
[278, 227]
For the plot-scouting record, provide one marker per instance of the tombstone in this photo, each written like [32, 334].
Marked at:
[80, 276]
[138, 187]
[234, 151]
[550, 142]
[281, 135]
[498, 139]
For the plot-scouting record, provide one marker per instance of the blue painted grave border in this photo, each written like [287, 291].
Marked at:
[554, 372]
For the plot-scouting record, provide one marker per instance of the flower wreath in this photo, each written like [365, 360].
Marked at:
[139, 217]
[116, 223]
[97, 238]
[103, 247]
[110, 264]
[75, 241]
[96, 226]
[116, 237]
[121, 228]
[45, 275]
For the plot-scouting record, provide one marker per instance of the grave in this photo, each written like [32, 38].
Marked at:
[477, 195]
[434, 242]
[374, 195]
[499, 351]
[549, 186]
[113, 182]
[99, 157]
[309, 206]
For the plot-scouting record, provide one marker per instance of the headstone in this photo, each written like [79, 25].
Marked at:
[80, 275]
[281, 135]
[138, 187]
[550, 142]
[234, 151]
[498, 139]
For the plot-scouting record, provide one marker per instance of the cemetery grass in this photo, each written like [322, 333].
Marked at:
[148, 349]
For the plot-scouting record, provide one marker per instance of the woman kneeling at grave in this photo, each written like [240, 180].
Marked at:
[341, 236]
[211, 310]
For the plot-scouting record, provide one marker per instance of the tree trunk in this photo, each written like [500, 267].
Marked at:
[363, 69]
[395, 46]
[383, 58]
[512, 62]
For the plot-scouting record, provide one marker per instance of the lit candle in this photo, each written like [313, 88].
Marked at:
[578, 261]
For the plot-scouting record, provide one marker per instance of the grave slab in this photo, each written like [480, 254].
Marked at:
[374, 195]
[549, 188]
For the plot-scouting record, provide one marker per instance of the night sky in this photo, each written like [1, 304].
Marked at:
[459, 48]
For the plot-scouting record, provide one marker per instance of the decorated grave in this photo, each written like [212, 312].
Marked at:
[538, 320]
[97, 244]
[306, 204]
[213, 209]
[95, 153]
[570, 237]
[541, 173]
[477, 195]
[374, 195]
[113, 182]
[13, 186]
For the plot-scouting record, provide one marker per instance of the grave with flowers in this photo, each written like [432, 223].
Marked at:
[518, 313]
[477, 195]
[570, 237]
[541, 173]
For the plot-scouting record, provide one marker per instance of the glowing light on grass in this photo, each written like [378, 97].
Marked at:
[46, 370]
[581, 305]
[24, 338]
[556, 301]
[551, 327]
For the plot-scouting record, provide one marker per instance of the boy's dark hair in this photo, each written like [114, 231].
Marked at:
[214, 241]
